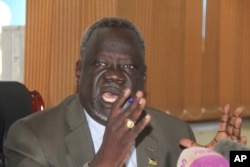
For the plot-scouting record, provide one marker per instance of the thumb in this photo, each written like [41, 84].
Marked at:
[188, 143]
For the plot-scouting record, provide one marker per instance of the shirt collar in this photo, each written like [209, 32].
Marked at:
[97, 129]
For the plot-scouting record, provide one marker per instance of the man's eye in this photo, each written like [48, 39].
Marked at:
[128, 66]
[100, 64]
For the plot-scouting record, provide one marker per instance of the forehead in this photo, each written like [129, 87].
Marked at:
[115, 33]
[114, 39]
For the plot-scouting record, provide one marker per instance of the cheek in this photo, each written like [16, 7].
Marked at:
[137, 83]
[88, 90]
[90, 80]
[86, 82]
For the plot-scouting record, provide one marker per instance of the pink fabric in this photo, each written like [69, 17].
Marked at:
[210, 161]
[201, 157]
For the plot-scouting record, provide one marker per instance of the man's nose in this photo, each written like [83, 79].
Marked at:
[114, 75]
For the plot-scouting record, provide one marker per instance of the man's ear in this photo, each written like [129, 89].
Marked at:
[78, 68]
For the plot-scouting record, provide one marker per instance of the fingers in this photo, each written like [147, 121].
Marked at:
[123, 127]
[236, 129]
[130, 120]
[134, 111]
[140, 126]
[243, 140]
[233, 123]
[229, 127]
[224, 119]
[119, 103]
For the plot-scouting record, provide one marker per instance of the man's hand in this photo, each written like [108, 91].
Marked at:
[229, 129]
[119, 135]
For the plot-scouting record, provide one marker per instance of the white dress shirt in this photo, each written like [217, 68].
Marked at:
[97, 132]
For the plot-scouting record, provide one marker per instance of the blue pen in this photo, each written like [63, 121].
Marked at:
[127, 104]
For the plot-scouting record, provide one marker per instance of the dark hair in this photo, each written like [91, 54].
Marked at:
[110, 22]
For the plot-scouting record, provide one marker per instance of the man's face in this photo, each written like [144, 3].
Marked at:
[113, 61]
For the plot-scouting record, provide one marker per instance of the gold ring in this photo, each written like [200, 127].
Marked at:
[129, 123]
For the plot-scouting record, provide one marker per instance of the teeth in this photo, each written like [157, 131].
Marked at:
[109, 97]
[110, 100]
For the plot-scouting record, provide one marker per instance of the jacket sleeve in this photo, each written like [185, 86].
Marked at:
[191, 133]
[22, 148]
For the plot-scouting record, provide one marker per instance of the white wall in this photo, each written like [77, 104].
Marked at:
[13, 53]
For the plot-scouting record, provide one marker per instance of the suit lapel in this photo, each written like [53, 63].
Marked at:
[77, 139]
[147, 149]
[79, 145]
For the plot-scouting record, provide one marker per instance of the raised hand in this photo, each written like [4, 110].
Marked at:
[229, 129]
[120, 134]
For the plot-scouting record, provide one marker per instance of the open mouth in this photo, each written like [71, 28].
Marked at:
[109, 97]
[110, 93]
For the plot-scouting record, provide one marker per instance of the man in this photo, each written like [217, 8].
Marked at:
[93, 128]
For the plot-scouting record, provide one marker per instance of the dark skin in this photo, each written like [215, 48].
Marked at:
[112, 63]
[229, 129]
[113, 70]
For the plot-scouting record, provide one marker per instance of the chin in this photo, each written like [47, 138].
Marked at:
[101, 117]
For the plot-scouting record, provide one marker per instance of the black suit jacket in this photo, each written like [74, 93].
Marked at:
[60, 137]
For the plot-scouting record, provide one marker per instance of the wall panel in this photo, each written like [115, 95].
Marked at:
[184, 78]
